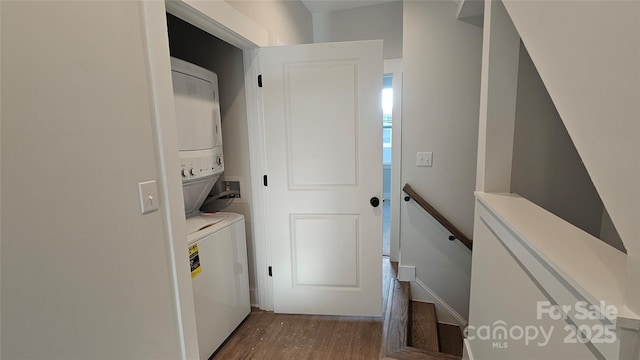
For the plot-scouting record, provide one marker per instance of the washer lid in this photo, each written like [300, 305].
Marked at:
[207, 229]
[203, 221]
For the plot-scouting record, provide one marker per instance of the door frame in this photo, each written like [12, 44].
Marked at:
[223, 21]
[394, 67]
[258, 166]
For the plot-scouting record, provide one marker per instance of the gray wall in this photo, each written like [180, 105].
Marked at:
[84, 274]
[591, 73]
[547, 168]
[441, 98]
[196, 46]
[440, 109]
[287, 21]
[382, 21]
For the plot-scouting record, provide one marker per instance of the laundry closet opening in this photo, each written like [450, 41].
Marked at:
[194, 45]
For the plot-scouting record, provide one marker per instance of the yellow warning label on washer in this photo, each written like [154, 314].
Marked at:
[194, 259]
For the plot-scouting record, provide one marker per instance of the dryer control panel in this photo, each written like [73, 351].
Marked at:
[199, 164]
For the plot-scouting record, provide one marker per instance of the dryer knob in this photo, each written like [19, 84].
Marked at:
[219, 160]
[184, 173]
[192, 172]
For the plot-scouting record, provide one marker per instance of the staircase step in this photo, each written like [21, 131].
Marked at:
[424, 326]
[450, 339]
[398, 327]
[410, 353]
[397, 332]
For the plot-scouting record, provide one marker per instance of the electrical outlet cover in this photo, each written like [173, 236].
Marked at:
[240, 181]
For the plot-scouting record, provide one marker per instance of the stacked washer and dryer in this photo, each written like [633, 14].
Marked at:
[216, 242]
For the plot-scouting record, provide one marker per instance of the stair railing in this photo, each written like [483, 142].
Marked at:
[455, 232]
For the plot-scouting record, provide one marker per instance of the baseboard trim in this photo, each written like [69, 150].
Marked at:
[466, 353]
[253, 298]
[446, 314]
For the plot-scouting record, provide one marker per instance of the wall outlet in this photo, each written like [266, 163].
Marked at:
[235, 183]
[424, 159]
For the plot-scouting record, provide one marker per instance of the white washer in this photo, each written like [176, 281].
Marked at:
[221, 287]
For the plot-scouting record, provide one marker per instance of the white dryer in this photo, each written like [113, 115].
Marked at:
[220, 276]
[197, 103]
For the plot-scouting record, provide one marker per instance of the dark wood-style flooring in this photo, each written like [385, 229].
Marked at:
[268, 336]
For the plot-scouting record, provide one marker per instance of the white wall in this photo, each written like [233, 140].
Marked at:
[506, 297]
[84, 274]
[587, 54]
[443, 267]
[440, 106]
[441, 97]
[287, 21]
[382, 21]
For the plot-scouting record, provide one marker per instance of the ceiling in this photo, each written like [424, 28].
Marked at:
[321, 6]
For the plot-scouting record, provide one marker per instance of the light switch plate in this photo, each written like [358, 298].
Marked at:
[149, 200]
[424, 158]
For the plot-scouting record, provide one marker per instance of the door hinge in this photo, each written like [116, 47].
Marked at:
[270, 272]
[260, 80]
[264, 180]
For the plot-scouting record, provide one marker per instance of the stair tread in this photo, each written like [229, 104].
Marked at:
[450, 339]
[397, 335]
[411, 353]
[424, 326]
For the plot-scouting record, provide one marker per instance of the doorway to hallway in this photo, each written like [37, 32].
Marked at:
[387, 110]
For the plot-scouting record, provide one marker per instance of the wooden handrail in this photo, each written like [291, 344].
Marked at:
[456, 234]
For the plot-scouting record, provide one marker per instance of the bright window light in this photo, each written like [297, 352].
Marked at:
[387, 101]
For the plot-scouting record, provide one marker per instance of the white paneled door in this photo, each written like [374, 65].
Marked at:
[323, 134]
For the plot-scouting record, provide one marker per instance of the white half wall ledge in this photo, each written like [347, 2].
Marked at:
[593, 268]
[578, 269]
